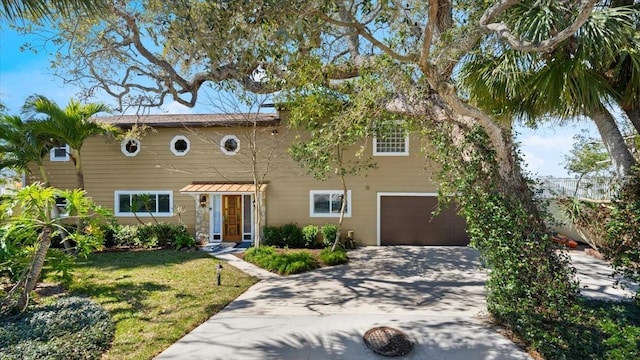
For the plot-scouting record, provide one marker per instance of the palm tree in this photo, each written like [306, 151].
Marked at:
[71, 125]
[20, 146]
[40, 9]
[581, 78]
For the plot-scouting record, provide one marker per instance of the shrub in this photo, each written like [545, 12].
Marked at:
[127, 235]
[331, 258]
[166, 234]
[151, 235]
[70, 328]
[329, 232]
[255, 255]
[286, 263]
[288, 235]
[272, 236]
[184, 240]
[292, 236]
[310, 236]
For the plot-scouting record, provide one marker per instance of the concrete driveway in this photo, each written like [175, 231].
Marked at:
[433, 294]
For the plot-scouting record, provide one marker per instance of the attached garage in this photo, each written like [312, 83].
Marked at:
[406, 219]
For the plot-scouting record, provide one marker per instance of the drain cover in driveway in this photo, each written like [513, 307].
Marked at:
[388, 341]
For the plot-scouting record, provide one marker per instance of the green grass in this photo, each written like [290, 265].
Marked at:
[155, 297]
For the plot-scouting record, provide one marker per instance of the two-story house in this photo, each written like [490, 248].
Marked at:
[199, 169]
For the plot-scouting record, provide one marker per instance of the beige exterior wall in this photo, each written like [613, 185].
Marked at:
[107, 169]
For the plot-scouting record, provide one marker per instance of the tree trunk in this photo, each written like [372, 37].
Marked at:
[343, 207]
[78, 165]
[634, 115]
[620, 155]
[257, 209]
[43, 175]
[36, 268]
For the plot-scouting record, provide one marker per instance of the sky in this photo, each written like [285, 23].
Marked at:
[24, 73]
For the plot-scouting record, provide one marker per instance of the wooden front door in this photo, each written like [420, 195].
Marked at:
[232, 217]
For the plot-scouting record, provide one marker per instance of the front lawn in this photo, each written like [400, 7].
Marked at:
[155, 297]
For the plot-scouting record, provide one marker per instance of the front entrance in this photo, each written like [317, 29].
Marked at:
[232, 218]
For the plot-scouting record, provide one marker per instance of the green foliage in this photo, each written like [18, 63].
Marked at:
[184, 240]
[285, 263]
[272, 236]
[330, 258]
[288, 235]
[69, 328]
[329, 232]
[529, 282]
[127, 235]
[292, 236]
[152, 235]
[623, 230]
[588, 157]
[310, 236]
[586, 330]
[612, 228]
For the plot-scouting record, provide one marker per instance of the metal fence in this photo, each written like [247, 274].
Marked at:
[589, 188]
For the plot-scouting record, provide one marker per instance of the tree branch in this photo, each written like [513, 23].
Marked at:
[505, 33]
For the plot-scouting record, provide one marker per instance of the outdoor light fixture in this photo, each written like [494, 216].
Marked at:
[203, 200]
[218, 273]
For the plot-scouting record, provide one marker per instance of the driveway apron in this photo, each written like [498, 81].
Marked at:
[435, 295]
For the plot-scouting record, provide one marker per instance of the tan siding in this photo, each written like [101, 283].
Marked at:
[106, 170]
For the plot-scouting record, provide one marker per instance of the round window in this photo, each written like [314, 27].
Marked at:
[230, 144]
[180, 145]
[130, 147]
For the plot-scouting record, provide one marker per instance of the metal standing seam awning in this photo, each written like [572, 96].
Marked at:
[199, 188]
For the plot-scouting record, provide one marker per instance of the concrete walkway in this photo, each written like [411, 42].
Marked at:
[435, 295]
[596, 281]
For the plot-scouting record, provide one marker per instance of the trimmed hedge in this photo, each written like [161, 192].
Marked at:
[70, 328]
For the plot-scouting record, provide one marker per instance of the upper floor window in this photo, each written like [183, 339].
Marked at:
[391, 141]
[180, 145]
[230, 144]
[327, 203]
[59, 153]
[130, 146]
[143, 203]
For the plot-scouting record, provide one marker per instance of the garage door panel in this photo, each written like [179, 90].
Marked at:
[408, 220]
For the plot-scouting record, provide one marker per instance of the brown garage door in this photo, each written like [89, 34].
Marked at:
[407, 220]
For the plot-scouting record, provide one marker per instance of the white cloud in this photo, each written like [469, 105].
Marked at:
[544, 149]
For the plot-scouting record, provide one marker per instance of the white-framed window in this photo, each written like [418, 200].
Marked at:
[61, 207]
[180, 145]
[230, 145]
[59, 153]
[391, 141]
[143, 203]
[326, 203]
[130, 146]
